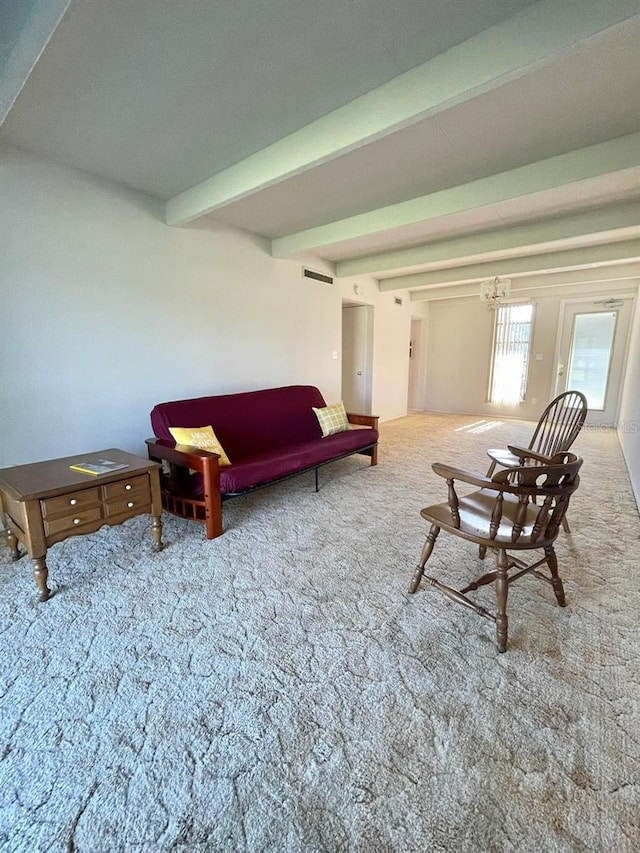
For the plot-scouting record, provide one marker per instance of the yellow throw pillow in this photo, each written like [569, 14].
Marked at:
[203, 438]
[332, 419]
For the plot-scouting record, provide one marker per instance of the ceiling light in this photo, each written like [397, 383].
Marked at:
[494, 290]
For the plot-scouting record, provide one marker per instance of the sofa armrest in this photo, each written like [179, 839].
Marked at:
[203, 462]
[198, 460]
[363, 420]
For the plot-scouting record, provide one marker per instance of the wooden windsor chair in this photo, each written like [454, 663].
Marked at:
[518, 509]
[557, 429]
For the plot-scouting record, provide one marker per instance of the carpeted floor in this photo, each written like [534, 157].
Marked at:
[277, 689]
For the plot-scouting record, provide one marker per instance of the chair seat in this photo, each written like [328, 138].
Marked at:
[475, 517]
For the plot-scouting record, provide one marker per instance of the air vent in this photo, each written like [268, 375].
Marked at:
[397, 300]
[316, 276]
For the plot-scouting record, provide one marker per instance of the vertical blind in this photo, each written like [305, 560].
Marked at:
[511, 342]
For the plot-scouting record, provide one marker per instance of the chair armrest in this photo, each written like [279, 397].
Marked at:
[363, 420]
[450, 473]
[524, 453]
[194, 458]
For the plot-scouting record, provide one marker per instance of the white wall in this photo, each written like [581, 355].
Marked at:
[459, 359]
[391, 333]
[629, 420]
[459, 353]
[106, 311]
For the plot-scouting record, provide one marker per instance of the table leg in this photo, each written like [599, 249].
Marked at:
[156, 531]
[12, 542]
[40, 573]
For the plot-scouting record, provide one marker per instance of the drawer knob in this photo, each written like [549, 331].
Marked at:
[128, 487]
[76, 521]
[73, 501]
[129, 504]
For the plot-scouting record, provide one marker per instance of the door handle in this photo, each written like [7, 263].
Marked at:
[561, 370]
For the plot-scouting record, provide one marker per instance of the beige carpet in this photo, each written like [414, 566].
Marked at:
[277, 689]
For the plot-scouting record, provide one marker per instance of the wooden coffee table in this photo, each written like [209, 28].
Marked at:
[46, 502]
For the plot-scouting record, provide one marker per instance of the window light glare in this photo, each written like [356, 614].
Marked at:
[511, 344]
[479, 426]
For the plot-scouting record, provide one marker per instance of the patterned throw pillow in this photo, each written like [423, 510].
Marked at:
[203, 438]
[332, 419]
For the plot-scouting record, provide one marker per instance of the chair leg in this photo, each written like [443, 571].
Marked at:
[482, 551]
[492, 468]
[502, 591]
[426, 553]
[565, 524]
[556, 582]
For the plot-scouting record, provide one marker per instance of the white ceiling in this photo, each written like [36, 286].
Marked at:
[412, 138]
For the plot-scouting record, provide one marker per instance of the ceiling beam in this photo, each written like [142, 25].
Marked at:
[614, 222]
[628, 250]
[582, 164]
[625, 276]
[26, 33]
[529, 39]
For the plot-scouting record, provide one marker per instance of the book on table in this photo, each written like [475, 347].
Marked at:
[98, 466]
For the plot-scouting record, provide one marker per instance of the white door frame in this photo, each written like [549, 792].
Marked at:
[417, 364]
[365, 365]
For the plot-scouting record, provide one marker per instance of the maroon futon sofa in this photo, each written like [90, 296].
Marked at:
[267, 435]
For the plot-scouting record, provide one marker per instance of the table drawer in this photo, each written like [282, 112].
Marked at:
[126, 489]
[69, 504]
[133, 504]
[69, 523]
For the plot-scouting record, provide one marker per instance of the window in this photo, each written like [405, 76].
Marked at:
[510, 359]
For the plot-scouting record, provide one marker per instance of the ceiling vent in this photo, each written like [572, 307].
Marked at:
[316, 276]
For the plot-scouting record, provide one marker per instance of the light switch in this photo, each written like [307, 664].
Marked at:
[334, 355]
[539, 356]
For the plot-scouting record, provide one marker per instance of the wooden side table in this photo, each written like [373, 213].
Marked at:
[46, 502]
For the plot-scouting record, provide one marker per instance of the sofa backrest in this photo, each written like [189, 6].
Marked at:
[249, 422]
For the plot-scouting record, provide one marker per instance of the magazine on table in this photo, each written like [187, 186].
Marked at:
[98, 466]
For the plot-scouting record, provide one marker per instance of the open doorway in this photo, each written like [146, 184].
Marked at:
[357, 357]
[415, 393]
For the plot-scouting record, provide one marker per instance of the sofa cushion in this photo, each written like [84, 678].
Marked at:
[202, 437]
[247, 423]
[272, 465]
[332, 419]
[261, 468]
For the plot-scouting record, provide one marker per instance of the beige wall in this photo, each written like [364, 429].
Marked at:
[459, 359]
[629, 420]
[391, 332]
[106, 311]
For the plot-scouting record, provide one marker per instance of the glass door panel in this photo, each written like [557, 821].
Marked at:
[591, 353]
[592, 341]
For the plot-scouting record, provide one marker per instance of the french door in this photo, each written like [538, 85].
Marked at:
[592, 354]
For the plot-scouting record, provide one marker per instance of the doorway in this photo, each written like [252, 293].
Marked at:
[592, 350]
[357, 357]
[415, 396]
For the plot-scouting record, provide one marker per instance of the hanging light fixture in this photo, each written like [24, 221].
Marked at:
[494, 290]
